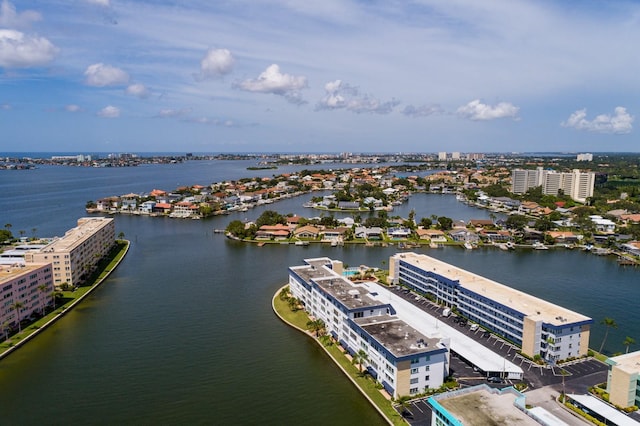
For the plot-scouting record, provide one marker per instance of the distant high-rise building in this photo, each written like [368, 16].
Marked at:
[584, 157]
[455, 155]
[442, 156]
[577, 185]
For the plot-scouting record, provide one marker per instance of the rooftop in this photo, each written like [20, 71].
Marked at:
[530, 306]
[483, 406]
[397, 336]
[9, 272]
[74, 236]
[351, 295]
[629, 363]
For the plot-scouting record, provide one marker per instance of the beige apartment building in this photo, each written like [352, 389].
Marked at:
[622, 380]
[76, 254]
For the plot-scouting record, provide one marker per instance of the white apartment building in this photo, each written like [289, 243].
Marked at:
[402, 359]
[442, 156]
[75, 255]
[28, 285]
[584, 157]
[578, 185]
[537, 326]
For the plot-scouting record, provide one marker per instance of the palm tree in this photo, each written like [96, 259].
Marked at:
[5, 327]
[121, 235]
[360, 358]
[43, 288]
[628, 341]
[608, 323]
[316, 326]
[293, 304]
[34, 232]
[17, 306]
[8, 226]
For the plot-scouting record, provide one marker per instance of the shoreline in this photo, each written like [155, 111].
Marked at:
[305, 332]
[64, 310]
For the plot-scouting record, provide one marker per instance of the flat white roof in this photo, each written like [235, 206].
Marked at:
[605, 410]
[431, 326]
[74, 236]
[548, 418]
[530, 306]
[629, 363]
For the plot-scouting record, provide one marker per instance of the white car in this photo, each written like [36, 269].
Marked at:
[474, 327]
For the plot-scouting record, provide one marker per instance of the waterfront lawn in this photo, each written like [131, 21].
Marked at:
[105, 266]
[365, 382]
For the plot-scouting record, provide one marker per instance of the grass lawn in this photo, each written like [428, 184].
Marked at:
[105, 266]
[365, 382]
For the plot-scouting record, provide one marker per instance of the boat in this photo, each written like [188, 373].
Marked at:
[302, 243]
[539, 246]
[510, 245]
[468, 245]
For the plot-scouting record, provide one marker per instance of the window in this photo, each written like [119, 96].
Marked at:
[426, 378]
[413, 381]
[358, 314]
[426, 368]
[413, 390]
[414, 370]
[415, 360]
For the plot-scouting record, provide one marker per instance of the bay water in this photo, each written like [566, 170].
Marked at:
[183, 332]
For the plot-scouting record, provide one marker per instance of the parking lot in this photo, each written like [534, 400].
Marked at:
[579, 374]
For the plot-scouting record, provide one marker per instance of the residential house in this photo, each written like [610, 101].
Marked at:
[308, 231]
[435, 235]
[331, 234]
[399, 232]
[276, 232]
[373, 233]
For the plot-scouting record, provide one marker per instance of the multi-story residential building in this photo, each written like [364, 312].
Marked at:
[24, 289]
[623, 381]
[402, 359]
[539, 327]
[483, 405]
[578, 185]
[584, 157]
[75, 255]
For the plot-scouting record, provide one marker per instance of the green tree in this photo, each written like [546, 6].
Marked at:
[270, 217]
[317, 327]
[425, 222]
[516, 221]
[5, 235]
[16, 306]
[121, 235]
[628, 341]
[42, 288]
[445, 223]
[360, 358]
[608, 323]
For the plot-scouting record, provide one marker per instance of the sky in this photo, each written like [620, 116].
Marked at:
[86, 76]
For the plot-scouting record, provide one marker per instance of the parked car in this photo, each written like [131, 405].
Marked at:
[474, 327]
[494, 379]
[486, 334]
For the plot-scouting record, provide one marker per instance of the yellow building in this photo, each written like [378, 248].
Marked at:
[74, 256]
[622, 380]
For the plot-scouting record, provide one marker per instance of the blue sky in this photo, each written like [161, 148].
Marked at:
[319, 76]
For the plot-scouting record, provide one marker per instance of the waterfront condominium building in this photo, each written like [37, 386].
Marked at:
[24, 289]
[537, 326]
[577, 185]
[75, 255]
[402, 359]
[623, 381]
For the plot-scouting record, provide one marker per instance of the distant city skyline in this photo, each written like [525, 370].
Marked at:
[333, 76]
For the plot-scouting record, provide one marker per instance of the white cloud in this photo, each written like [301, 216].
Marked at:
[273, 81]
[72, 108]
[109, 112]
[19, 50]
[137, 89]
[5, 107]
[422, 110]
[341, 95]
[9, 18]
[476, 110]
[103, 3]
[620, 123]
[216, 63]
[101, 75]
[169, 113]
